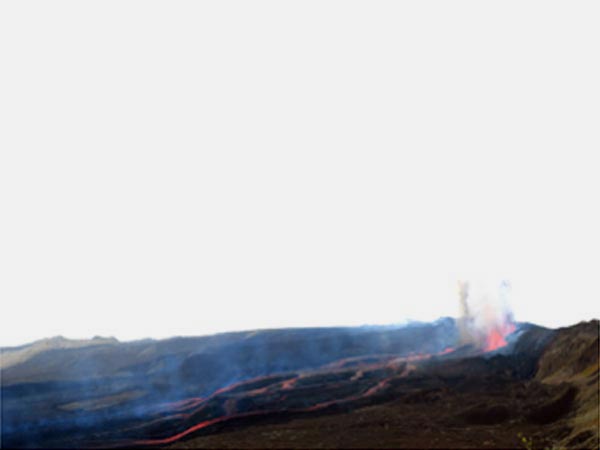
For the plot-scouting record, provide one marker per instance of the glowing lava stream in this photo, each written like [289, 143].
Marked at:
[284, 385]
[373, 390]
[494, 340]
[484, 341]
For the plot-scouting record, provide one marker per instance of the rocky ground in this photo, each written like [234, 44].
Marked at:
[527, 400]
[540, 391]
[472, 406]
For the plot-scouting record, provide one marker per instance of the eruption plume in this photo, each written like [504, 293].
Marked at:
[485, 320]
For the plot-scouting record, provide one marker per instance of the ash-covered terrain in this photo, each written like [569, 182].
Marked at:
[420, 385]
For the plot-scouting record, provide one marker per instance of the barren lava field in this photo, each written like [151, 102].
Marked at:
[395, 387]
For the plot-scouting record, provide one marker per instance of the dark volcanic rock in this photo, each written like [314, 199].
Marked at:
[304, 388]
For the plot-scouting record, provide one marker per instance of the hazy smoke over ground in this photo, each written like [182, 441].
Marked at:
[485, 316]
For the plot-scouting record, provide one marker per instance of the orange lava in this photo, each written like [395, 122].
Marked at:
[496, 338]
[194, 405]
[382, 385]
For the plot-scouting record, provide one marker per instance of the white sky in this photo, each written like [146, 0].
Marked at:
[172, 168]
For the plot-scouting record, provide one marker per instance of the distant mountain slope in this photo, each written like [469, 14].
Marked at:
[460, 403]
[470, 407]
[333, 387]
[11, 356]
[57, 391]
[232, 354]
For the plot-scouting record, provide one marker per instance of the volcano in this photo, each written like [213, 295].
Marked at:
[414, 386]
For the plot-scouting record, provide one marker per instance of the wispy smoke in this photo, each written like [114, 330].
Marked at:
[465, 319]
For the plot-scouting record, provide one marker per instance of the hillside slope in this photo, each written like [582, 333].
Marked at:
[464, 403]
[380, 387]
[572, 359]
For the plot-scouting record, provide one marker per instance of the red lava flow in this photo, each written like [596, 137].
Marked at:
[494, 340]
[284, 385]
[207, 423]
